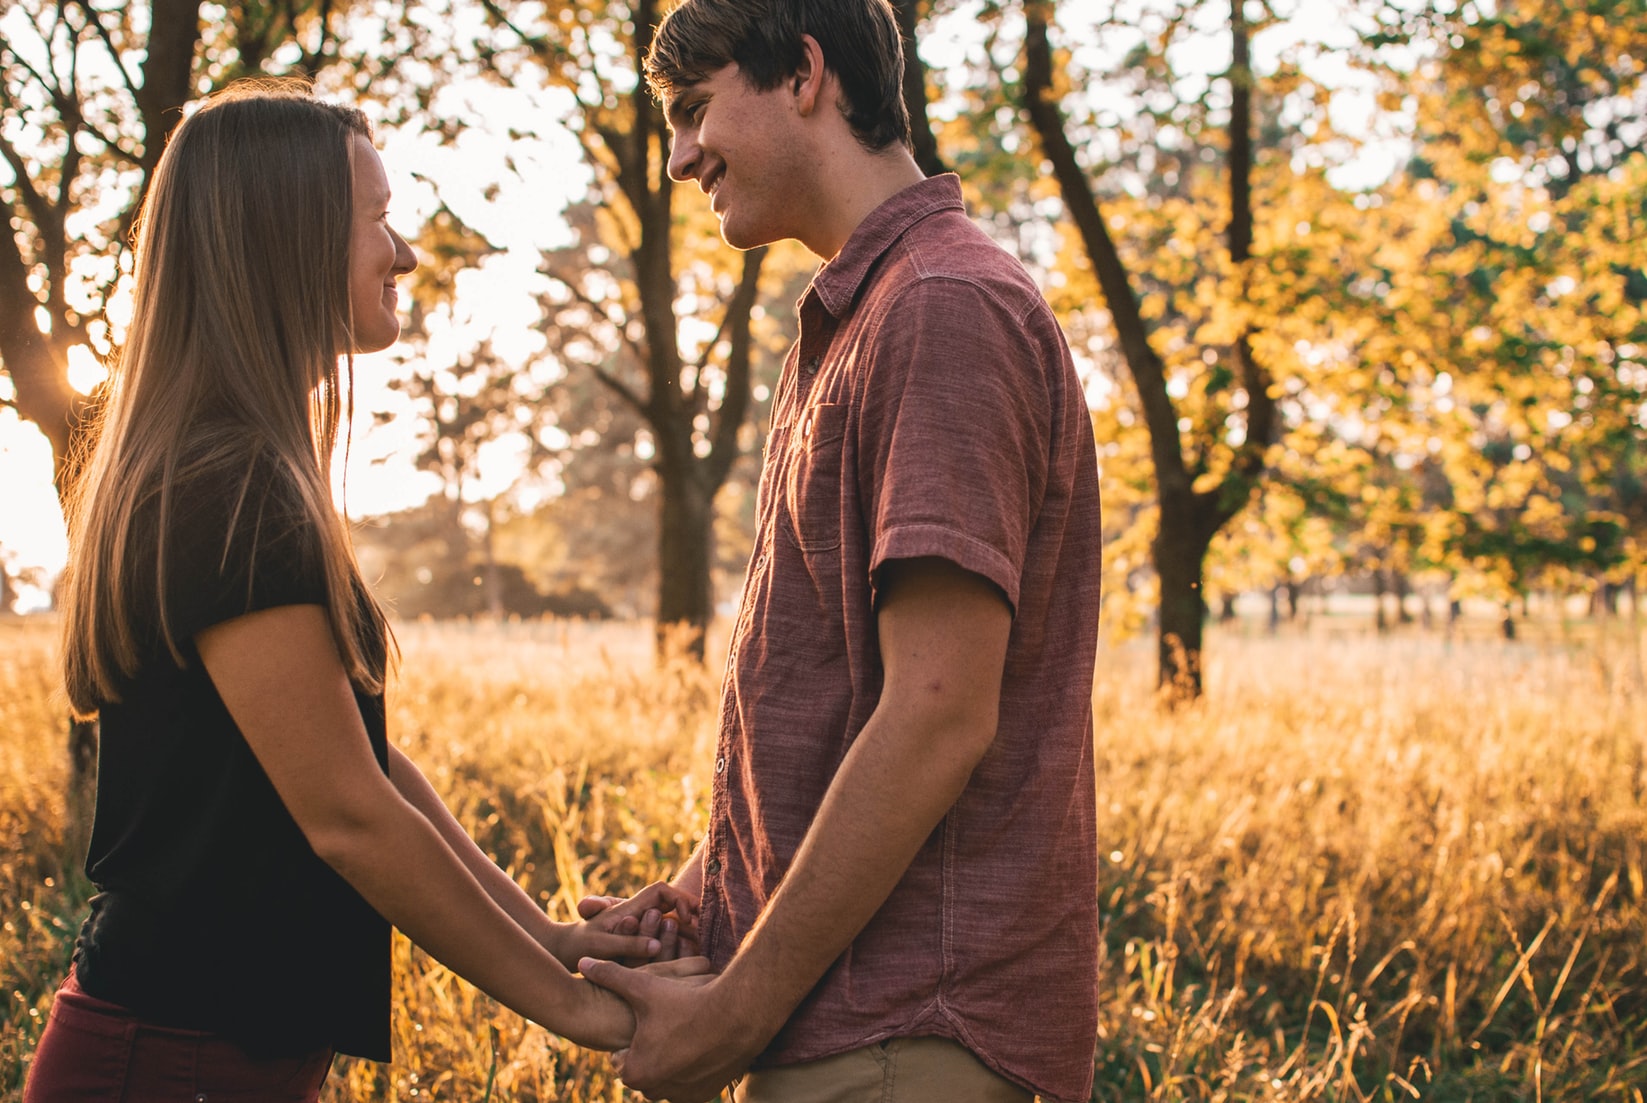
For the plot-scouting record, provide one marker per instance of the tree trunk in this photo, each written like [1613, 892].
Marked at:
[685, 536]
[1189, 518]
[673, 402]
[922, 142]
[494, 585]
[37, 366]
[1180, 553]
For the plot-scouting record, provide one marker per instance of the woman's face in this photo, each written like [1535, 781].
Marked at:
[377, 255]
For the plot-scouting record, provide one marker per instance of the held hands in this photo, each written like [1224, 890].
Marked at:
[603, 1020]
[643, 931]
[651, 1007]
[659, 923]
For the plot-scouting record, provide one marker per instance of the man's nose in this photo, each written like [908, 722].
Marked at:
[683, 157]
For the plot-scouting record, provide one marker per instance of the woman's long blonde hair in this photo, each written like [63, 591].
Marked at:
[240, 313]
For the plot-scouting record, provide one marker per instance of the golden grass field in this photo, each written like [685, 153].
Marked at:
[1362, 869]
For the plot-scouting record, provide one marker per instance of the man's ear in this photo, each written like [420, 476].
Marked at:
[810, 77]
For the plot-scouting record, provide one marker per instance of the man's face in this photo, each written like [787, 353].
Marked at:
[741, 146]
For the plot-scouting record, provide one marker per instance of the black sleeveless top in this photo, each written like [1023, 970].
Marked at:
[213, 912]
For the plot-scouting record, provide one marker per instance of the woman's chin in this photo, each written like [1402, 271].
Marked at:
[373, 342]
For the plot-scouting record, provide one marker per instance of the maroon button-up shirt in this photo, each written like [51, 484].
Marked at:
[929, 408]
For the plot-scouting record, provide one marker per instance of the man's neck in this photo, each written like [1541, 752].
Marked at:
[857, 183]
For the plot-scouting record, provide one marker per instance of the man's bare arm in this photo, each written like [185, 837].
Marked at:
[943, 636]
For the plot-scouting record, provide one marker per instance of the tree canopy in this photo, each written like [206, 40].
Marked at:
[1356, 296]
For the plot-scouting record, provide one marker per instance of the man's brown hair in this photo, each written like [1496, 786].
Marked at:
[860, 46]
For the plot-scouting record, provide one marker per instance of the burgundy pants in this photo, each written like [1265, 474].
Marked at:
[95, 1050]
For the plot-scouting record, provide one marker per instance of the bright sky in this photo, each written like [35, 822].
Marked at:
[521, 214]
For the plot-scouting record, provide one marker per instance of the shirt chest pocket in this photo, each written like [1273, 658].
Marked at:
[813, 489]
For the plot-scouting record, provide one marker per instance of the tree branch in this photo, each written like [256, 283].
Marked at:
[735, 405]
[538, 44]
[1148, 373]
[623, 391]
[36, 204]
[93, 17]
[318, 58]
[580, 296]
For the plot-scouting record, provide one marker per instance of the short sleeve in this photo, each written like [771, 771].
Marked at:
[953, 432]
[237, 540]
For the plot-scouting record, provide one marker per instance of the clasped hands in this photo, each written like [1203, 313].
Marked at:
[692, 1035]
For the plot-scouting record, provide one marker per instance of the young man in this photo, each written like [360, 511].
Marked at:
[899, 876]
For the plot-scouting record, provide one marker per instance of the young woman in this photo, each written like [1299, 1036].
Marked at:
[256, 834]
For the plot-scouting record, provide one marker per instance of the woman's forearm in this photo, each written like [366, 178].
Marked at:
[280, 677]
[404, 867]
[496, 882]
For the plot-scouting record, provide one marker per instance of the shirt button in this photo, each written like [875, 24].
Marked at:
[713, 868]
[720, 765]
[811, 365]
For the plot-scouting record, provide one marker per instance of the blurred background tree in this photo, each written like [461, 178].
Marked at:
[1263, 324]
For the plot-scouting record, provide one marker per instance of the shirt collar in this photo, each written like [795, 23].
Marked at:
[838, 282]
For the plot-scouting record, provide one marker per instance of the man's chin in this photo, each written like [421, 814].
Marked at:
[744, 238]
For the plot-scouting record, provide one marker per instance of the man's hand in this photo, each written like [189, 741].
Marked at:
[691, 1038]
[643, 928]
[605, 1020]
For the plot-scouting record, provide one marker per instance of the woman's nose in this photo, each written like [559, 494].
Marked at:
[405, 259]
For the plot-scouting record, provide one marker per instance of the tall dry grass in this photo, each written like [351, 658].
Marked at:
[1360, 870]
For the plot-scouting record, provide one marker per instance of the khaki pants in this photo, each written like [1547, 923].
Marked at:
[900, 1070]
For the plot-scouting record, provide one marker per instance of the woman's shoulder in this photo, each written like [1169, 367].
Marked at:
[223, 482]
[239, 535]
[229, 500]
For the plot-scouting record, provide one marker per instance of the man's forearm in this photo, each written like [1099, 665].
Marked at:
[891, 792]
[943, 636]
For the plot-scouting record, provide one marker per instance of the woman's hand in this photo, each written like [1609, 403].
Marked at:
[659, 923]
